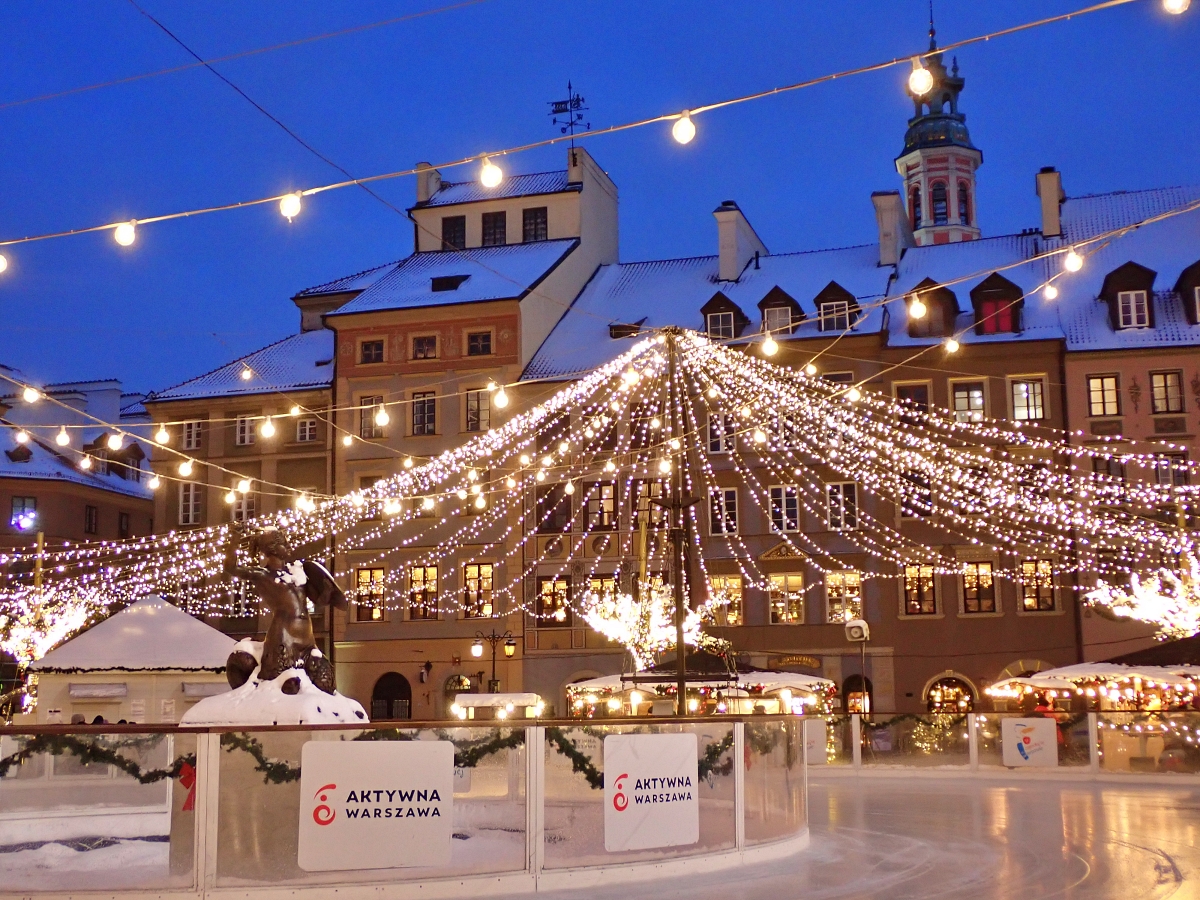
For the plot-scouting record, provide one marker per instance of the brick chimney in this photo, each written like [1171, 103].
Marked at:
[736, 241]
[1049, 190]
[895, 232]
[429, 181]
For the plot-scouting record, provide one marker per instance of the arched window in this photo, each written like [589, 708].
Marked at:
[391, 698]
[950, 695]
[964, 204]
[914, 208]
[455, 685]
[941, 211]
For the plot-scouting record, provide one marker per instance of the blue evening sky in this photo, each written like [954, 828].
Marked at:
[1110, 99]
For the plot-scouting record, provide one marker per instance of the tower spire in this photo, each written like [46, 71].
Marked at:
[932, 30]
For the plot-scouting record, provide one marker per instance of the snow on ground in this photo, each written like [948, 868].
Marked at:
[57, 866]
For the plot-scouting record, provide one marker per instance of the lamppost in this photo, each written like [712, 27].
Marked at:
[510, 649]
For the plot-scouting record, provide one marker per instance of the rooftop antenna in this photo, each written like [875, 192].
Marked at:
[568, 114]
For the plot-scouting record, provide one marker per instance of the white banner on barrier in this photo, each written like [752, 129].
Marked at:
[1029, 742]
[650, 791]
[375, 804]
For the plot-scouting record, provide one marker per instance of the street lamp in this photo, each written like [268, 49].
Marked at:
[510, 650]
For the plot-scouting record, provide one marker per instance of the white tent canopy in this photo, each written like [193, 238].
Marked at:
[496, 701]
[1069, 677]
[767, 682]
[149, 635]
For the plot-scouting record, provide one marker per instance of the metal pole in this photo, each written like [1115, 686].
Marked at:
[37, 563]
[866, 697]
[677, 530]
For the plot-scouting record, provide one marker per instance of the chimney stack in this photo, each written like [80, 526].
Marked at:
[736, 241]
[895, 233]
[1049, 189]
[429, 182]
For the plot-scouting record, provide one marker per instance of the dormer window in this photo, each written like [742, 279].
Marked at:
[777, 319]
[998, 305]
[995, 316]
[441, 283]
[941, 310]
[835, 315]
[720, 325]
[1134, 309]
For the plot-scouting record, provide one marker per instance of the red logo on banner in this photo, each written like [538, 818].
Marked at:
[322, 814]
[620, 801]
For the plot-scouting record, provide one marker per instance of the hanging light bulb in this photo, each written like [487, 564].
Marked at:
[22, 436]
[294, 411]
[31, 395]
[631, 376]
[154, 483]
[85, 463]
[427, 503]
[1072, 262]
[381, 416]
[684, 128]
[461, 494]
[357, 500]
[268, 428]
[480, 502]
[243, 486]
[760, 436]
[920, 79]
[472, 475]
[500, 399]
[951, 345]
[475, 489]
[1174, 7]
[610, 466]
[490, 175]
[854, 394]
[712, 393]
[664, 466]
[347, 440]
[408, 462]
[674, 444]
[3, 262]
[810, 369]
[510, 482]
[231, 498]
[391, 506]
[246, 373]
[289, 205]
[114, 442]
[541, 475]
[185, 468]
[917, 308]
[491, 387]
[569, 487]
[162, 435]
[1050, 292]
[769, 346]
[656, 423]
[62, 438]
[525, 459]
[125, 233]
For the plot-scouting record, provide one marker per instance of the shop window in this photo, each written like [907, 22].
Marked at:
[787, 599]
[368, 594]
[920, 595]
[726, 591]
[477, 590]
[1037, 585]
[979, 588]
[843, 596]
[950, 695]
[553, 603]
[422, 592]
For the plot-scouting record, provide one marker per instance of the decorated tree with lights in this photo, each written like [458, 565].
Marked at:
[539, 493]
[1168, 600]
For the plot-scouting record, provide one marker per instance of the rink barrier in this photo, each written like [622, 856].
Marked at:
[1150, 745]
[218, 814]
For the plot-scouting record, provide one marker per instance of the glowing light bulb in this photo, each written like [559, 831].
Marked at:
[631, 376]
[472, 475]
[490, 175]
[510, 482]
[664, 466]
[917, 308]
[674, 444]
[854, 394]
[246, 373]
[712, 393]
[1050, 292]
[480, 502]
[569, 487]
[547, 460]
[1174, 7]
[684, 128]
[1072, 262]
[22, 436]
[294, 411]
[656, 423]
[408, 462]
[475, 488]
[760, 436]
[610, 466]
[951, 345]
[243, 486]
[427, 503]
[563, 446]
[3, 262]
[268, 428]
[62, 438]
[810, 369]
[347, 440]
[461, 494]
[391, 506]
[154, 483]
[500, 399]
[635, 699]
[162, 435]
[357, 500]
[289, 206]
[31, 395]
[524, 459]
[920, 79]
[186, 468]
[125, 233]
[381, 416]
[231, 498]
[541, 475]
[85, 463]
[114, 442]
[769, 346]
[744, 411]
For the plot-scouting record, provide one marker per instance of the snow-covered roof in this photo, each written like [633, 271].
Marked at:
[512, 186]
[147, 635]
[48, 463]
[348, 283]
[672, 291]
[301, 362]
[491, 273]
[496, 701]
[1087, 216]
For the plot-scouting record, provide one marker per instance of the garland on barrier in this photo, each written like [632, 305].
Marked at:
[275, 771]
[580, 761]
[91, 752]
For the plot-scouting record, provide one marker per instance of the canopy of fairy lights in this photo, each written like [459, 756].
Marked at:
[1165, 599]
[541, 493]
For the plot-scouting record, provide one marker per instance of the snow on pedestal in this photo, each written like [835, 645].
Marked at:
[264, 702]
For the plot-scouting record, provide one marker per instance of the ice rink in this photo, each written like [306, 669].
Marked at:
[903, 838]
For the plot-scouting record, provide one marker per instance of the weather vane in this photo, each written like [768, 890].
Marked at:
[568, 114]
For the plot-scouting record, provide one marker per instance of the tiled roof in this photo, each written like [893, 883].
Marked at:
[1088, 216]
[671, 292]
[356, 282]
[47, 464]
[301, 362]
[512, 186]
[493, 273]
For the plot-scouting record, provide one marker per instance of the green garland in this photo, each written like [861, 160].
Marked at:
[275, 771]
[93, 751]
[580, 761]
[709, 762]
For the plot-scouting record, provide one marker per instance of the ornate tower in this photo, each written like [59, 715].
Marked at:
[938, 162]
